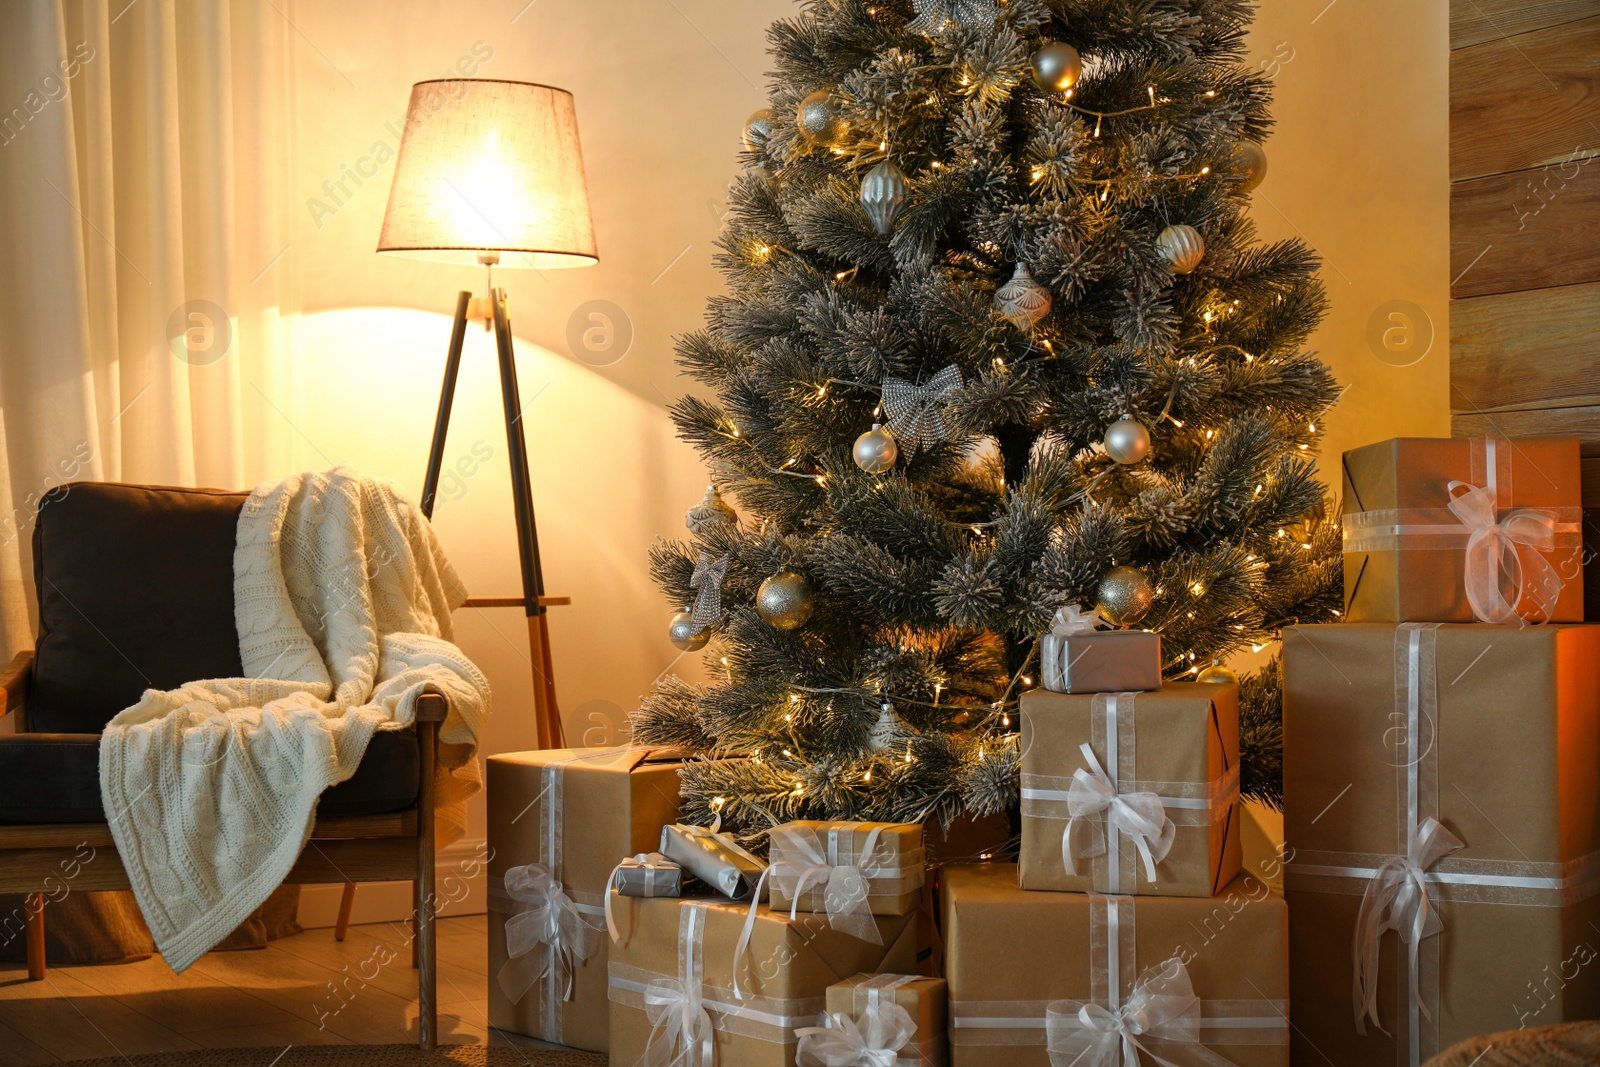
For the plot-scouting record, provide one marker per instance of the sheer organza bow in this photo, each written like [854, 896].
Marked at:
[680, 1025]
[1140, 817]
[1492, 548]
[1161, 1015]
[547, 937]
[873, 1041]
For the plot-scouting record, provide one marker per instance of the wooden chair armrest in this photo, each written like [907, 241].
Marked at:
[14, 681]
[432, 705]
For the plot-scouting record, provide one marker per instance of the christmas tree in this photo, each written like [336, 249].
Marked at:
[1014, 233]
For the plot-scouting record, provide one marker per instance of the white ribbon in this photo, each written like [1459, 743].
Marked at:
[1492, 548]
[546, 938]
[875, 1040]
[1161, 1008]
[680, 1025]
[1070, 621]
[652, 863]
[1397, 899]
[1140, 817]
[845, 886]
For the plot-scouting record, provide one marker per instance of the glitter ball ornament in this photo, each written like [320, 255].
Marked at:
[757, 128]
[1182, 246]
[1056, 66]
[1124, 596]
[711, 512]
[1217, 673]
[1127, 441]
[1022, 300]
[820, 118]
[875, 451]
[785, 600]
[684, 635]
[1250, 164]
[883, 195]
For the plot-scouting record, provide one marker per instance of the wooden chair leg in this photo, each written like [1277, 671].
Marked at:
[346, 902]
[34, 907]
[428, 960]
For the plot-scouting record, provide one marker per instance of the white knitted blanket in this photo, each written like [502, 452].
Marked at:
[342, 599]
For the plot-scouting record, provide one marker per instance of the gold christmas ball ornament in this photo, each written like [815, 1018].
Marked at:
[883, 195]
[1217, 673]
[820, 118]
[1250, 164]
[1022, 300]
[785, 600]
[757, 128]
[1056, 66]
[1127, 441]
[1182, 246]
[875, 451]
[711, 512]
[684, 636]
[1124, 596]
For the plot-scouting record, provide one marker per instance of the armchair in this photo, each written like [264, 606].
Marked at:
[135, 591]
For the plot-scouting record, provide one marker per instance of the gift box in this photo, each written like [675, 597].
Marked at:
[1076, 657]
[1470, 753]
[880, 1013]
[1055, 978]
[846, 869]
[649, 874]
[715, 858]
[1442, 530]
[1134, 793]
[558, 821]
[679, 961]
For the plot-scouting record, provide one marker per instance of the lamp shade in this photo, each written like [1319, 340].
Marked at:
[490, 166]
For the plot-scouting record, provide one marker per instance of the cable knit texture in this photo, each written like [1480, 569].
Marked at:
[342, 600]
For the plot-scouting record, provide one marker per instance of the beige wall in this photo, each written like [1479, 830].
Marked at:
[1358, 168]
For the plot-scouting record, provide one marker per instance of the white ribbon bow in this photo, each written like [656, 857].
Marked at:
[546, 937]
[1140, 817]
[845, 886]
[1396, 899]
[680, 1026]
[1162, 1008]
[874, 1041]
[1071, 621]
[1492, 548]
[652, 862]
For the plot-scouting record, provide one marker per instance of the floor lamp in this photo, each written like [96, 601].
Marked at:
[491, 172]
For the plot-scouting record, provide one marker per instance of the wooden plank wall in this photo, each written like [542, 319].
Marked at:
[1525, 229]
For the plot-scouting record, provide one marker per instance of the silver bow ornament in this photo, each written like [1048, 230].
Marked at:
[1396, 899]
[547, 938]
[1162, 1015]
[1140, 817]
[915, 413]
[1492, 547]
[680, 1025]
[873, 1041]
[707, 580]
[845, 887]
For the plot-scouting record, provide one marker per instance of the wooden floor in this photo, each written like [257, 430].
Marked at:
[303, 990]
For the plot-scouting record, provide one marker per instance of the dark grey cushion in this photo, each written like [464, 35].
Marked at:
[55, 778]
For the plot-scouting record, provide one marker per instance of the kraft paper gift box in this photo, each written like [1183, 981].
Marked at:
[1076, 657]
[1171, 761]
[1025, 968]
[1410, 557]
[868, 868]
[858, 999]
[1472, 752]
[676, 962]
[572, 814]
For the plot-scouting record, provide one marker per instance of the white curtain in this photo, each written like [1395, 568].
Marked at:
[147, 278]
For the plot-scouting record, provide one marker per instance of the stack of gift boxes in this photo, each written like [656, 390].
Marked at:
[1442, 759]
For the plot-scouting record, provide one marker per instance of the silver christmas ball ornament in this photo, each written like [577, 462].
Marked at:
[1056, 66]
[1182, 246]
[711, 512]
[875, 451]
[1250, 164]
[684, 636]
[1127, 441]
[785, 600]
[1217, 673]
[1124, 596]
[820, 118]
[883, 195]
[757, 128]
[1022, 300]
